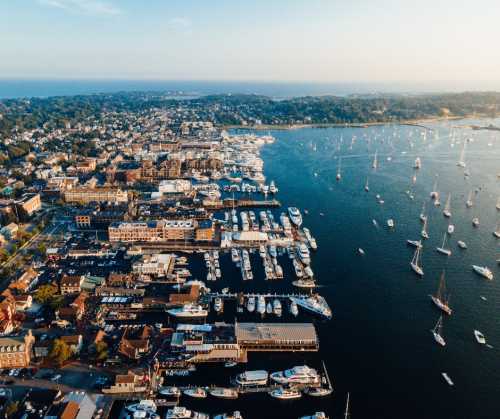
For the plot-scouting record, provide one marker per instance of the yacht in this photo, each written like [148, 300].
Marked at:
[170, 391]
[415, 263]
[261, 305]
[479, 337]
[304, 283]
[475, 222]
[224, 393]
[414, 243]
[443, 249]
[304, 254]
[483, 271]
[179, 412]
[462, 244]
[196, 392]
[295, 216]
[252, 378]
[144, 406]
[272, 187]
[294, 309]
[251, 304]
[315, 303]
[318, 391]
[301, 374]
[437, 332]
[277, 310]
[441, 300]
[188, 311]
[286, 394]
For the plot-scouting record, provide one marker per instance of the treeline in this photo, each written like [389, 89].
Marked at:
[17, 115]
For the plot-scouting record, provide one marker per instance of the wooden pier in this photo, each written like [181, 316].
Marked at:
[240, 203]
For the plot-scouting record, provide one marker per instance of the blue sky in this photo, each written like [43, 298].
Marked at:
[280, 40]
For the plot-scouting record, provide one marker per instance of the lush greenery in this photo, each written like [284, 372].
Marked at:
[60, 352]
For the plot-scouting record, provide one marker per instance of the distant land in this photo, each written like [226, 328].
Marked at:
[247, 110]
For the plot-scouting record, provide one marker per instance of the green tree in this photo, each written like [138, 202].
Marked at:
[99, 351]
[45, 294]
[60, 352]
[11, 409]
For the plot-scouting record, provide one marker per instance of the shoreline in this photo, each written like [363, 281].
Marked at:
[415, 122]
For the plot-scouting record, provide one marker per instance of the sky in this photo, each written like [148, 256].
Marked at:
[273, 40]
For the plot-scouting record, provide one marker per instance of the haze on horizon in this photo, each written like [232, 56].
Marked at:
[376, 41]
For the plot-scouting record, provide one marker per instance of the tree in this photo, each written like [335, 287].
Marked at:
[11, 409]
[99, 351]
[60, 352]
[45, 294]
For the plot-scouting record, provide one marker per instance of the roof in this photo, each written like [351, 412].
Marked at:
[276, 332]
[250, 236]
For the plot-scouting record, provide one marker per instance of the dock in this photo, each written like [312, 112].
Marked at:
[240, 203]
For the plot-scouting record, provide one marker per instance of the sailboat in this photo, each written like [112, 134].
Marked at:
[375, 161]
[496, 233]
[447, 208]
[367, 188]
[424, 233]
[441, 300]
[498, 204]
[437, 332]
[423, 217]
[461, 161]
[435, 192]
[443, 249]
[469, 203]
[415, 262]
[339, 168]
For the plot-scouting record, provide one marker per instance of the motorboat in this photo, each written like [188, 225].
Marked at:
[252, 378]
[195, 392]
[295, 216]
[451, 229]
[318, 391]
[361, 251]
[179, 412]
[188, 311]
[218, 304]
[315, 303]
[251, 304]
[235, 415]
[301, 374]
[304, 283]
[304, 254]
[462, 244]
[294, 309]
[261, 305]
[286, 393]
[447, 379]
[230, 364]
[277, 310]
[317, 415]
[223, 393]
[479, 337]
[146, 406]
[269, 308]
[390, 223]
[483, 271]
[475, 222]
[170, 391]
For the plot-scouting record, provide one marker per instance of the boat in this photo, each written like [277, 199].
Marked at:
[261, 305]
[269, 308]
[482, 297]
[423, 217]
[496, 232]
[418, 163]
[223, 393]
[367, 187]
[188, 311]
[424, 233]
[339, 176]
[304, 254]
[498, 204]
[415, 262]
[375, 161]
[230, 364]
[390, 223]
[235, 415]
[170, 391]
[277, 309]
[317, 415]
[361, 251]
[443, 249]
[196, 392]
[462, 244]
[295, 216]
[146, 406]
[318, 391]
[252, 378]
[435, 193]
[301, 374]
[437, 332]
[483, 271]
[441, 299]
[469, 203]
[447, 207]
[346, 413]
[451, 229]
[294, 309]
[479, 337]
[304, 283]
[461, 160]
[475, 222]
[286, 393]
[179, 412]
[218, 304]
[251, 304]
[447, 379]
[414, 243]
[315, 303]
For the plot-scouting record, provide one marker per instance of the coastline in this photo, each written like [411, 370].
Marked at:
[414, 122]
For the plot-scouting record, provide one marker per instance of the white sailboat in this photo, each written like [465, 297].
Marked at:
[375, 161]
[443, 249]
[423, 217]
[469, 203]
[437, 332]
[424, 233]
[441, 299]
[339, 176]
[346, 413]
[496, 232]
[415, 265]
[461, 160]
[435, 192]
[447, 207]
[498, 204]
[367, 187]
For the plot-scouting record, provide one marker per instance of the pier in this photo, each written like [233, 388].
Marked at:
[240, 203]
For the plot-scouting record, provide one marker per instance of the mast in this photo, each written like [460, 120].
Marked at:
[346, 414]
[375, 162]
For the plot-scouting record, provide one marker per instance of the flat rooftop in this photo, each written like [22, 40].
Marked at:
[283, 333]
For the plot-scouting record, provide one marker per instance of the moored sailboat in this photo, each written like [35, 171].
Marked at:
[415, 262]
[441, 299]
[447, 207]
[443, 249]
[437, 332]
